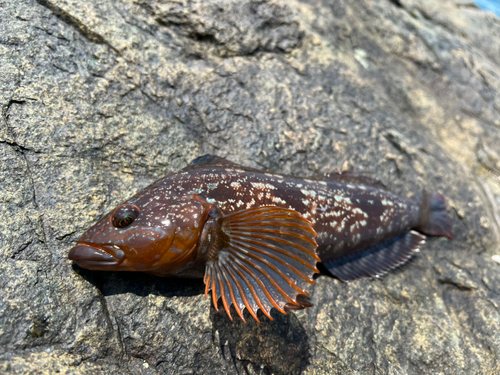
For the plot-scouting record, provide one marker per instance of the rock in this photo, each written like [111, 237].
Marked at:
[99, 99]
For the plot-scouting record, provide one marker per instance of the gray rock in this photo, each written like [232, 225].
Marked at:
[98, 99]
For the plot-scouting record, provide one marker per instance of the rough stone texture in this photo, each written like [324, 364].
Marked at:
[100, 98]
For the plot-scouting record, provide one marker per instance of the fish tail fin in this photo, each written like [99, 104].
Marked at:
[434, 220]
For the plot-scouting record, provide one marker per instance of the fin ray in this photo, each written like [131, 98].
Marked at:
[263, 263]
[252, 307]
[277, 271]
[237, 295]
[222, 287]
[278, 262]
[260, 239]
[257, 247]
[378, 260]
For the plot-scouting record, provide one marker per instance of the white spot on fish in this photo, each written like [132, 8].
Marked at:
[251, 203]
[263, 186]
[341, 198]
[212, 186]
[385, 202]
[278, 200]
[308, 193]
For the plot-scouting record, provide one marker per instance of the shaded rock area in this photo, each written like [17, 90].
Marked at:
[100, 98]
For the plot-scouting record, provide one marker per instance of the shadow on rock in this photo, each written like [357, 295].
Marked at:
[141, 284]
[279, 346]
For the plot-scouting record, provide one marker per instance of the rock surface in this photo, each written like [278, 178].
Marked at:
[100, 98]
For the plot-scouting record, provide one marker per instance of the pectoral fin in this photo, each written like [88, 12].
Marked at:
[266, 258]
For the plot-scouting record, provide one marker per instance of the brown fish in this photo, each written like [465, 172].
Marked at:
[256, 237]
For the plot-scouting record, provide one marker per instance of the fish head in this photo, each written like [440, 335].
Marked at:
[152, 232]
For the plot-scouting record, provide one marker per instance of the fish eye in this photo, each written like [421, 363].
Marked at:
[125, 215]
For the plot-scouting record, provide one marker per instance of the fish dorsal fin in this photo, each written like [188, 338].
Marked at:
[378, 260]
[267, 260]
[211, 160]
[354, 178]
[216, 161]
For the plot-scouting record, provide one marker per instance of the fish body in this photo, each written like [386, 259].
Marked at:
[255, 237]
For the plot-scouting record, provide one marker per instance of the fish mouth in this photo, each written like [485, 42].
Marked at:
[90, 257]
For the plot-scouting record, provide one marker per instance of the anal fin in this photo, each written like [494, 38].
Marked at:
[378, 260]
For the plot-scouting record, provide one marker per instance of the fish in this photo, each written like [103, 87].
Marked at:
[256, 238]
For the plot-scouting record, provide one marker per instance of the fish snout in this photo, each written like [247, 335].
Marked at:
[89, 257]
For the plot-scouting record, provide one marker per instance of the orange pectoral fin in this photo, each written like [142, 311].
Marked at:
[268, 260]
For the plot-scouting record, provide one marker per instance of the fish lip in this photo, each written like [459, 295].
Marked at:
[87, 255]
